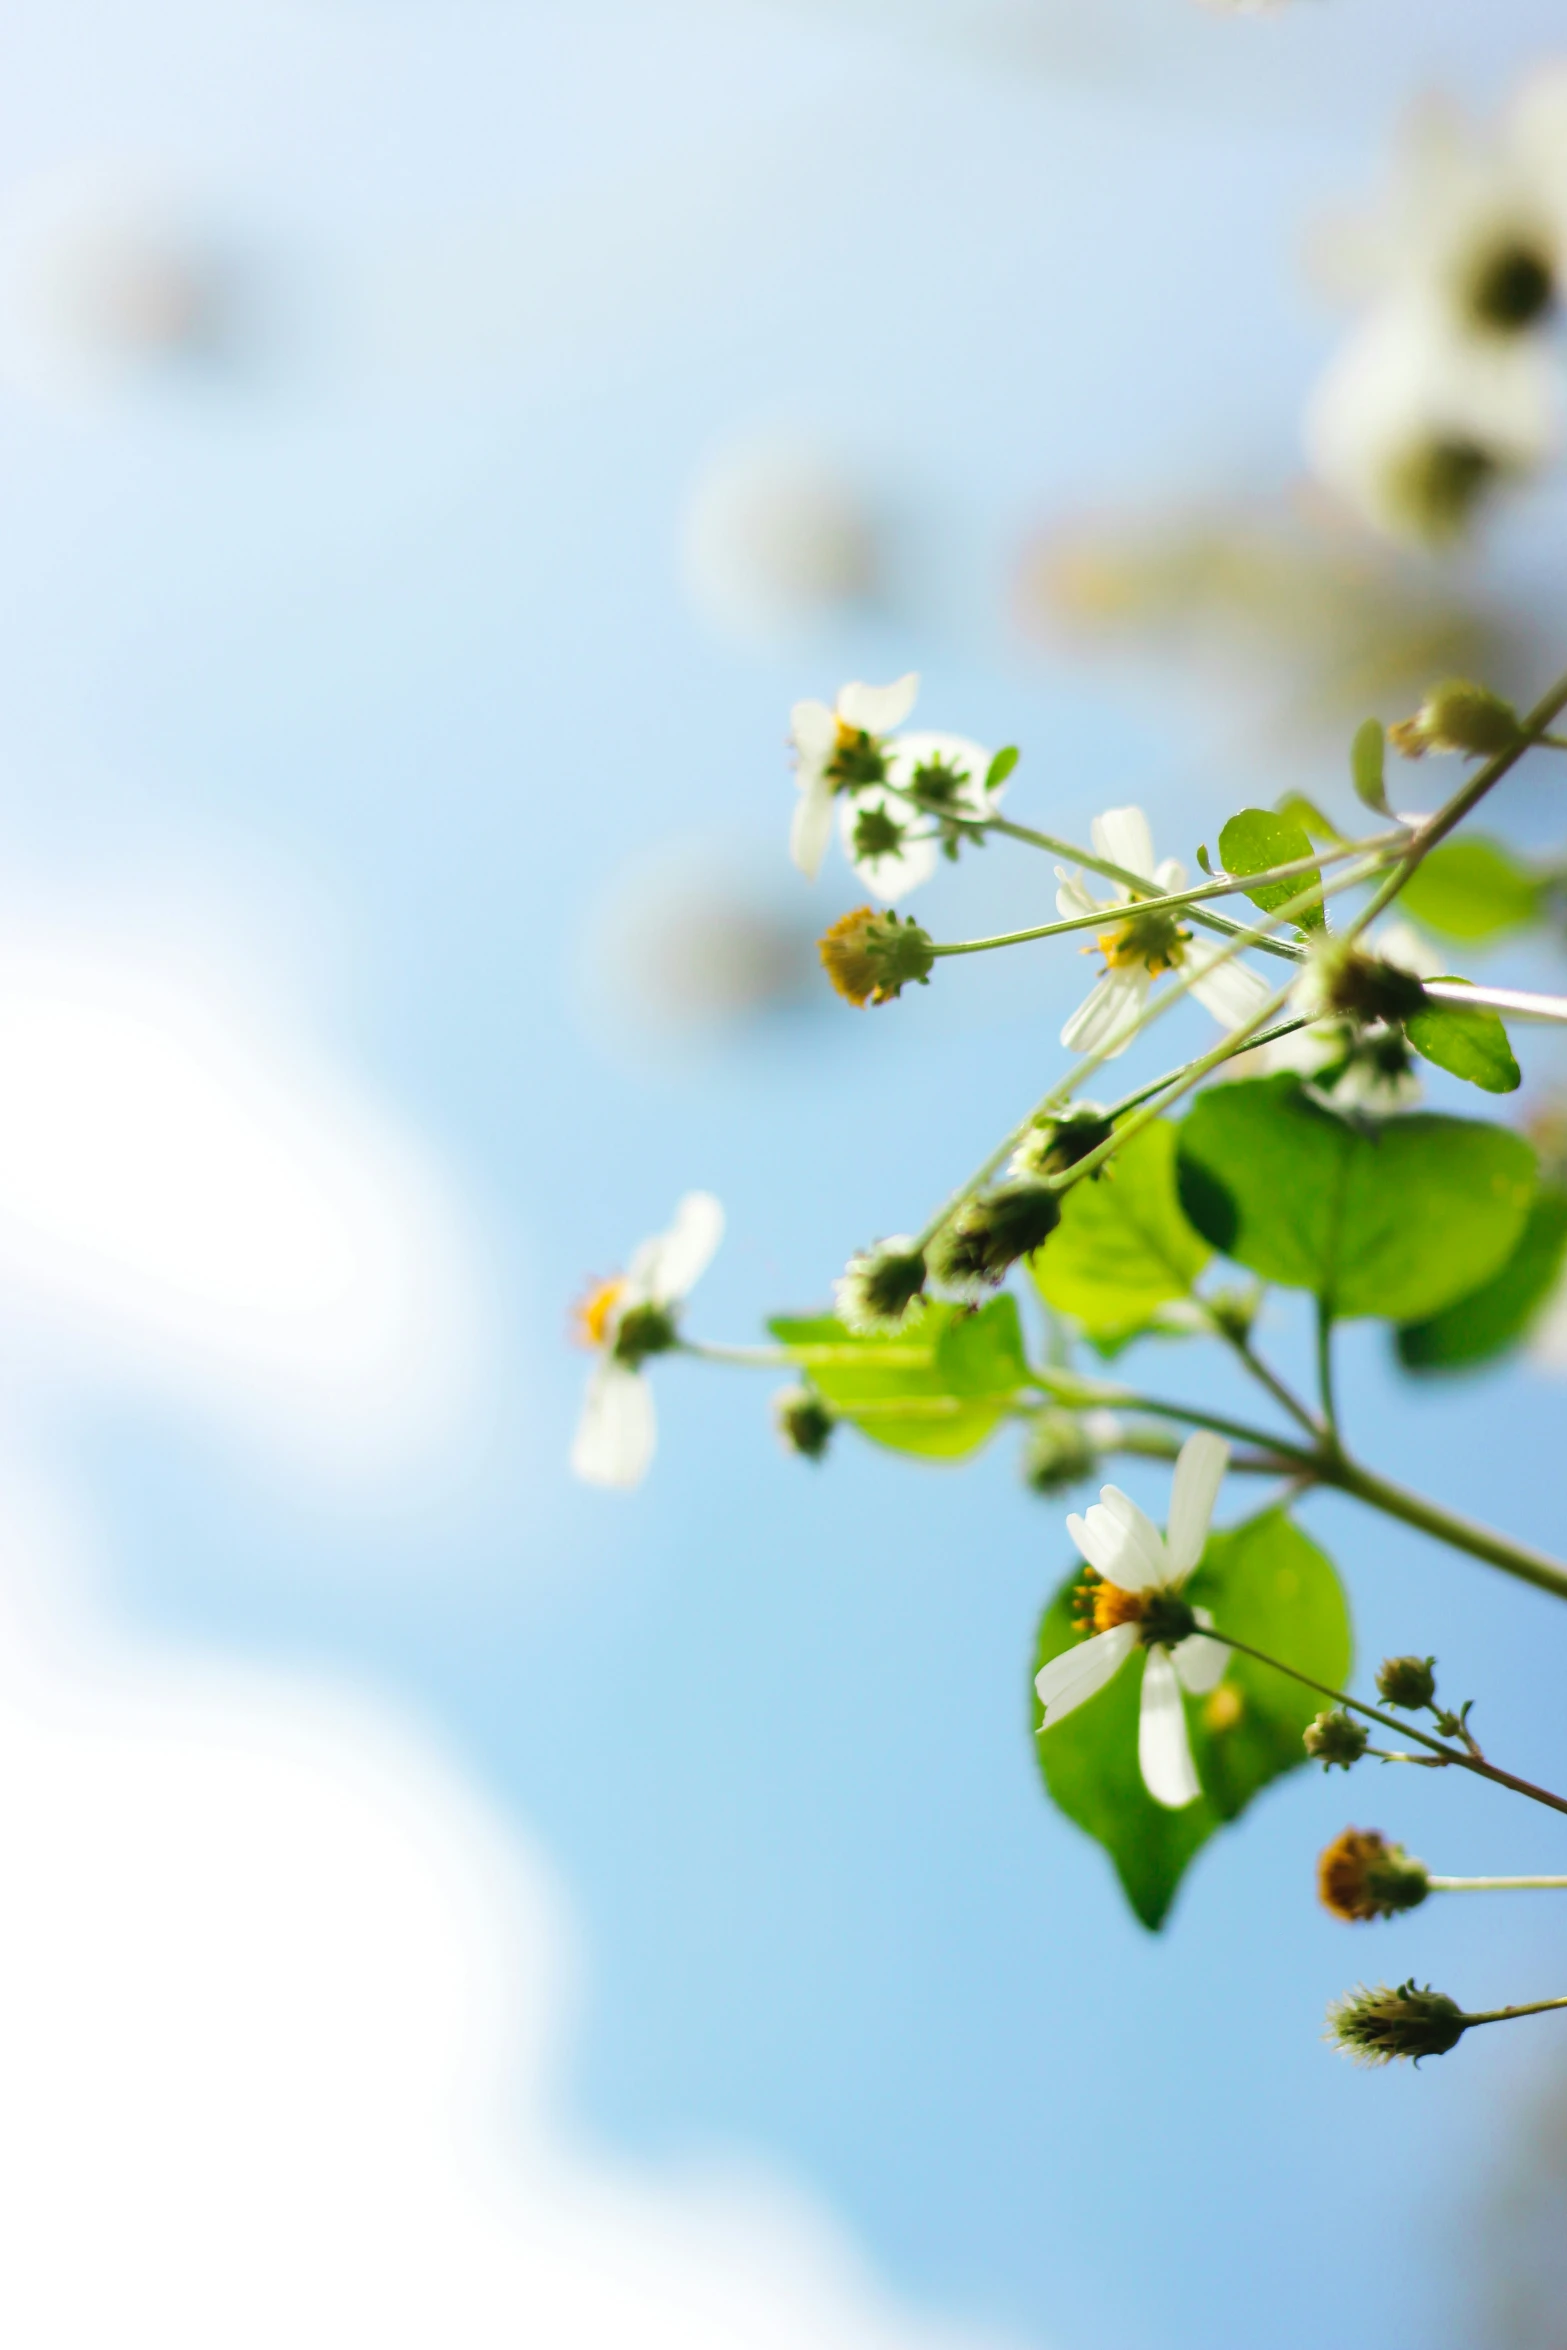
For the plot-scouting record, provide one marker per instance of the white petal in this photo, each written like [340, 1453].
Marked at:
[1079, 1673]
[878, 708]
[1164, 1751]
[814, 732]
[1231, 992]
[893, 875]
[1109, 1008]
[1199, 1472]
[1169, 874]
[811, 829]
[1071, 897]
[1122, 1553]
[1402, 944]
[1143, 1534]
[615, 1435]
[1122, 837]
[664, 1269]
[1199, 1663]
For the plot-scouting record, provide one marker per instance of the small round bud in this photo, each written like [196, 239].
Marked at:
[988, 1234]
[644, 1330]
[871, 957]
[1335, 1737]
[1233, 1311]
[1055, 1144]
[803, 1421]
[1458, 716]
[1343, 983]
[1407, 1681]
[1059, 1453]
[1374, 2024]
[879, 1285]
[1361, 1876]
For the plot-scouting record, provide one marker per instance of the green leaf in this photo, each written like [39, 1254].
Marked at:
[1266, 1583]
[1123, 1248]
[1299, 810]
[1398, 1218]
[1479, 1327]
[1367, 754]
[1258, 838]
[1471, 888]
[1001, 767]
[937, 1388]
[1471, 1045]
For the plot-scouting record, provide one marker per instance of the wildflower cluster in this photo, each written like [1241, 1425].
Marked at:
[1179, 1670]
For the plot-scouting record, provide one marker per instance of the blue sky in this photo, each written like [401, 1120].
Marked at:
[369, 645]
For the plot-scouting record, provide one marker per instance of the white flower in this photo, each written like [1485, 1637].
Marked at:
[837, 750]
[892, 842]
[1375, 1068]
[1137, 947]
[1416, 422]
[626, 1320]
[1135, 1599]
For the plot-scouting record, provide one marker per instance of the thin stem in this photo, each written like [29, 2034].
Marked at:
[1267, 1377]
[1498, 1550]
[1081, 1394]
[1497, 1884]
[1325, 1370]
[1502, 2015]
[1173, 901]
[1146, 1093]
[1452, 1755]
[1519, 1003]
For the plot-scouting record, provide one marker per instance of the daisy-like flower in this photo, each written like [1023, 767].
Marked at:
[894, 841]
[1138, 947]
[1133, 1599]
[1354, 1048]
[625, 1321]
[843, 749]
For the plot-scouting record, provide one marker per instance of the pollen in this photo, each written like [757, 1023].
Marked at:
[595, 1312]
[1099, 1606]
[853, 971]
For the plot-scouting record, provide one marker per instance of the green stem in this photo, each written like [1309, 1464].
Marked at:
[1325, 1370]
[1267, 1377]
[1502, 2015]
[1497, 1884]
[1451, 1755]
[1498, 1550]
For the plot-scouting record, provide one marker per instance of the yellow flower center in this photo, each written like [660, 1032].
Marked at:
[595, 1311]
[1100, 1606]
[1155, 940]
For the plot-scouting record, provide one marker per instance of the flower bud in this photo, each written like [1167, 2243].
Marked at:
[1458, 716]
[879, 1285]
[1335, 1737]
[988, 1234]
[1374, 2024]
[644, 1330]
[803, 1421]
[1407, 1681]
[1054, 1144]
[1361, 1876]
[871, 957]
[1059, 1453]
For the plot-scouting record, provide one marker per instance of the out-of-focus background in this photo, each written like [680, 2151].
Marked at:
[442, 1903]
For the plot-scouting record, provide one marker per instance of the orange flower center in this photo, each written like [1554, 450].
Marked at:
[1100, 1606]
[595, 1312]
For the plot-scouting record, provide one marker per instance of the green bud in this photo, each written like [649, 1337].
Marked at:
[1458, 716]
[1352, 985]
[803, 1421]
[989, 1234]
[879, 1285]
[644, 1330]
[1055, 1144]
[1335, 1737]
[1407, 1681]
[1233, 1311]
[1374, 2024]
[1058, 1454]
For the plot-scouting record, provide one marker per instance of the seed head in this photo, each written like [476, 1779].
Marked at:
[1345, 983]
[871, 957]
[1058, 1143]
[1374, 2024]
[1058, 1454]
[1361, 1876]
[988, 1234]
[803, 1421]
[1458, 716]
[1407, 1681]
[879, 1285]
[1335, 1737]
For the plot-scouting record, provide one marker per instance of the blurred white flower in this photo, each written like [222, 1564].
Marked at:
[1134, 1600]
[1137, 948]
[840, 749]
[777, 534]
[1362, 1067]
[626, 1320]
[1417, 422]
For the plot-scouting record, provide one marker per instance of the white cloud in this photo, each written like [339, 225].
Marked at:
[193, 1198]
[280, 2005]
